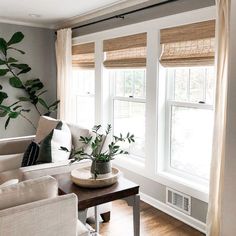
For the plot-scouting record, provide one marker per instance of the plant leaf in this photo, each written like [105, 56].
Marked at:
[11, 60]
[3, 96]
[2, 62]
[3, 72]
[18, 50]
[7, 122]
[13, 114]
[15, 82]
[24, 71]
[3, 46]
[43, 103]
[20, 66]
[24, 99]
[16, 38]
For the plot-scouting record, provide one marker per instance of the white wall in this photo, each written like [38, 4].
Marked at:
[229, 196]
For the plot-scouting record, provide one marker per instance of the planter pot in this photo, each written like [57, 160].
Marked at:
[100, 170]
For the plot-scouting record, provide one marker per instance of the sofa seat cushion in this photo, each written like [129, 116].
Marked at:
[28, 191]
[11, 174]
[9, 182]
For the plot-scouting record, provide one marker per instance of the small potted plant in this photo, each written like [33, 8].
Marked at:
[95, 151]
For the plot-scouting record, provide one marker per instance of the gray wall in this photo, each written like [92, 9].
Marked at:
[40, 55]
[158, 191]
[148, 14]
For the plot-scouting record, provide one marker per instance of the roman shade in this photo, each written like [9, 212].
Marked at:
[188, 45]
[125, 52]
[83, 55]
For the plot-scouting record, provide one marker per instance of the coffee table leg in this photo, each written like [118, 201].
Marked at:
[135, 201]
[136, 215]
[96, 219]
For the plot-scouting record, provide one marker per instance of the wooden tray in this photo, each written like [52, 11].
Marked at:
[83, 178]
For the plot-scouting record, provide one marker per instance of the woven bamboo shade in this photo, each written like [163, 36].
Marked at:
[126, 52]
[188, 45]
[83, 55]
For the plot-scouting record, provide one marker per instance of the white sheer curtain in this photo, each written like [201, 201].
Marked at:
[64, 71]
[218, 153]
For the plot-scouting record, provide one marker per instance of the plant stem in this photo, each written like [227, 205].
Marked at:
[28, 121]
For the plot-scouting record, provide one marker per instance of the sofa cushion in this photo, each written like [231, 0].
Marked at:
[30, 155]
[50, 147]
[28, 191]
[76, 132]
[81, 229]
[45, 126]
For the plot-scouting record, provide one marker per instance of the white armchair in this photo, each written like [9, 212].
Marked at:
[32, 208]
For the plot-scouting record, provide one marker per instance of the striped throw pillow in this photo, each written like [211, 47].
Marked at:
[30, 155]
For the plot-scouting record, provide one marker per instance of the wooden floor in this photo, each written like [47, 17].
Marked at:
[153, 223]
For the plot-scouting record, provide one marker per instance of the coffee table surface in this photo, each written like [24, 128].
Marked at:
[92, 197]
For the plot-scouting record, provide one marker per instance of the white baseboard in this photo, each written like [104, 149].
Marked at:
[173, 212]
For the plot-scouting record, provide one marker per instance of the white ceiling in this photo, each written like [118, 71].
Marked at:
[52, 12]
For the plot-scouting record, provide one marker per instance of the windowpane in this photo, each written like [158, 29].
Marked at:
[191, 140]
[85, 111]
[181, 84]
[197, 80]
[129, 82]
[210, 85]
[130, 117]
[83, 90]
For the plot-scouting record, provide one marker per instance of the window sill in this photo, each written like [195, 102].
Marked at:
[186, 186]
[170, 180]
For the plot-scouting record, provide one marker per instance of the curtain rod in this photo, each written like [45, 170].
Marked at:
[122, 16]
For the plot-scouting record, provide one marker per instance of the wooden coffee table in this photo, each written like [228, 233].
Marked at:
[123, 189]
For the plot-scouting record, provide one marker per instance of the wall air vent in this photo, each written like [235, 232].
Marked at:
[178, 200]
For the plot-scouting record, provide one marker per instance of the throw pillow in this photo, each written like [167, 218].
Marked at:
[30, 155]
[50, 148]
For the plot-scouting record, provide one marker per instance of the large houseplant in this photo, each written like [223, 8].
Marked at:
[95, 151]
[14, 71]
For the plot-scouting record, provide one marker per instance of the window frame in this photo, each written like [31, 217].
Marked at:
[169, 103]
[130, 98]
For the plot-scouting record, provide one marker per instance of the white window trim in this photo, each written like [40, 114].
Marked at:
[154, 102]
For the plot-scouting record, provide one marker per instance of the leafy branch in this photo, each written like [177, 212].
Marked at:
[96, 144]
[33, 88]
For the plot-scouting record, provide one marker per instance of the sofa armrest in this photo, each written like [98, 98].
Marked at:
[10, 162]
[36, 171]
[15, 145]
[50, 217]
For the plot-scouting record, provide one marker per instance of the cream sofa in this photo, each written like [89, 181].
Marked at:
[33, 208]
[11, 154]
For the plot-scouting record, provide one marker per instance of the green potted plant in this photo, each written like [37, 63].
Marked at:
[95, 151]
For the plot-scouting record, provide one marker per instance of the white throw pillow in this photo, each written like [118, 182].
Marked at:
[50, 147]
[9, 182]
[60, 139]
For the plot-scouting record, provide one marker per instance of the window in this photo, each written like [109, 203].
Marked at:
[129, 93]
[83, 82]
[83, 96]
[190, 99]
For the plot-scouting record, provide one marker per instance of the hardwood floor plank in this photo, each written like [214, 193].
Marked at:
[153, 222]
